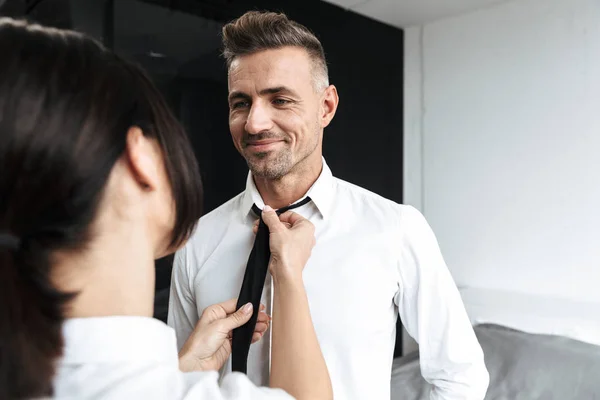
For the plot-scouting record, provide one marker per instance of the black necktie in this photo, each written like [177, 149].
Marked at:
[252, 287]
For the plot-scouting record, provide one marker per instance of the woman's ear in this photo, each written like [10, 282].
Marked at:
[144, 158]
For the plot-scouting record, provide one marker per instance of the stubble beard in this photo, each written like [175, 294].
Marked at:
[276, 165]
[269, 165]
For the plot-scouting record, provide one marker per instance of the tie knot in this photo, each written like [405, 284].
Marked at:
[280, 211]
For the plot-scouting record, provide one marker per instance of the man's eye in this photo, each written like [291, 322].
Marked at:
[239, 104]
[281, 102]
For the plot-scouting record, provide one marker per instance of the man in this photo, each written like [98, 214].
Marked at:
[373, 259]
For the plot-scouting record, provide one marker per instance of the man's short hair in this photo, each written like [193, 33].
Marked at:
[257, 31]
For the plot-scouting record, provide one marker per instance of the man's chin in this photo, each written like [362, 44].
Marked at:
[267, 170]
[263, 171]
[262, 159]
[270, 165]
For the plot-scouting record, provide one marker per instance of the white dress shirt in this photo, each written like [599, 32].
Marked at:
[373, 259]
[136, 358]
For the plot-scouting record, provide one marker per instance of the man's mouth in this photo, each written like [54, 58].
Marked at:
[262, 145]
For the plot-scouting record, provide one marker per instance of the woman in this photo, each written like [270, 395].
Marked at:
[97, 180]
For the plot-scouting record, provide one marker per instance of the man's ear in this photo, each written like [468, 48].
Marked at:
[329, 104]
[142, 155]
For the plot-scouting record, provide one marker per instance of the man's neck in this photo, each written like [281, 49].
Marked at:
[289, 189]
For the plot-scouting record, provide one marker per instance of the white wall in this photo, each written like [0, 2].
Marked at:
[503, 144]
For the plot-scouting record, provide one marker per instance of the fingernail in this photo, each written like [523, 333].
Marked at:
[247, 308]
[267, 208]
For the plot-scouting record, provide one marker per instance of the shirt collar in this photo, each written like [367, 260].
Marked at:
[118, 339]
[321, 193]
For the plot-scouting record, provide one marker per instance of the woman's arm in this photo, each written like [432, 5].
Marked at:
[297, 363]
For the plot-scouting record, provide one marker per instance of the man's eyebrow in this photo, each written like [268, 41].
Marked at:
[237, 95]
[277, 90]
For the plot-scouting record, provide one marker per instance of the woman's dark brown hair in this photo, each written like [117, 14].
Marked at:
[66, 104]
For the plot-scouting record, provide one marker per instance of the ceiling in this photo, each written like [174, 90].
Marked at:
[403, 13]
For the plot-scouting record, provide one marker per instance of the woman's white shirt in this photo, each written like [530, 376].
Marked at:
[136, 358]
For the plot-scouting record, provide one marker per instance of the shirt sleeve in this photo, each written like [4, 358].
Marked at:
[182, 315]
[433, 313]
[234, 386]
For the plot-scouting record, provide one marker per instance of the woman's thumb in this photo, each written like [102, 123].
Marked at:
[271, 219]
[240, 317]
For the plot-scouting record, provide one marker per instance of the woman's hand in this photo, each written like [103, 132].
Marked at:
[209, 345]
[291, 239]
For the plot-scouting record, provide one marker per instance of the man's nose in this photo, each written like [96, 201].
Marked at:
[259, 120]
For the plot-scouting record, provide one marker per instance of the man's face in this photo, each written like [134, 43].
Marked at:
[275, 113]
